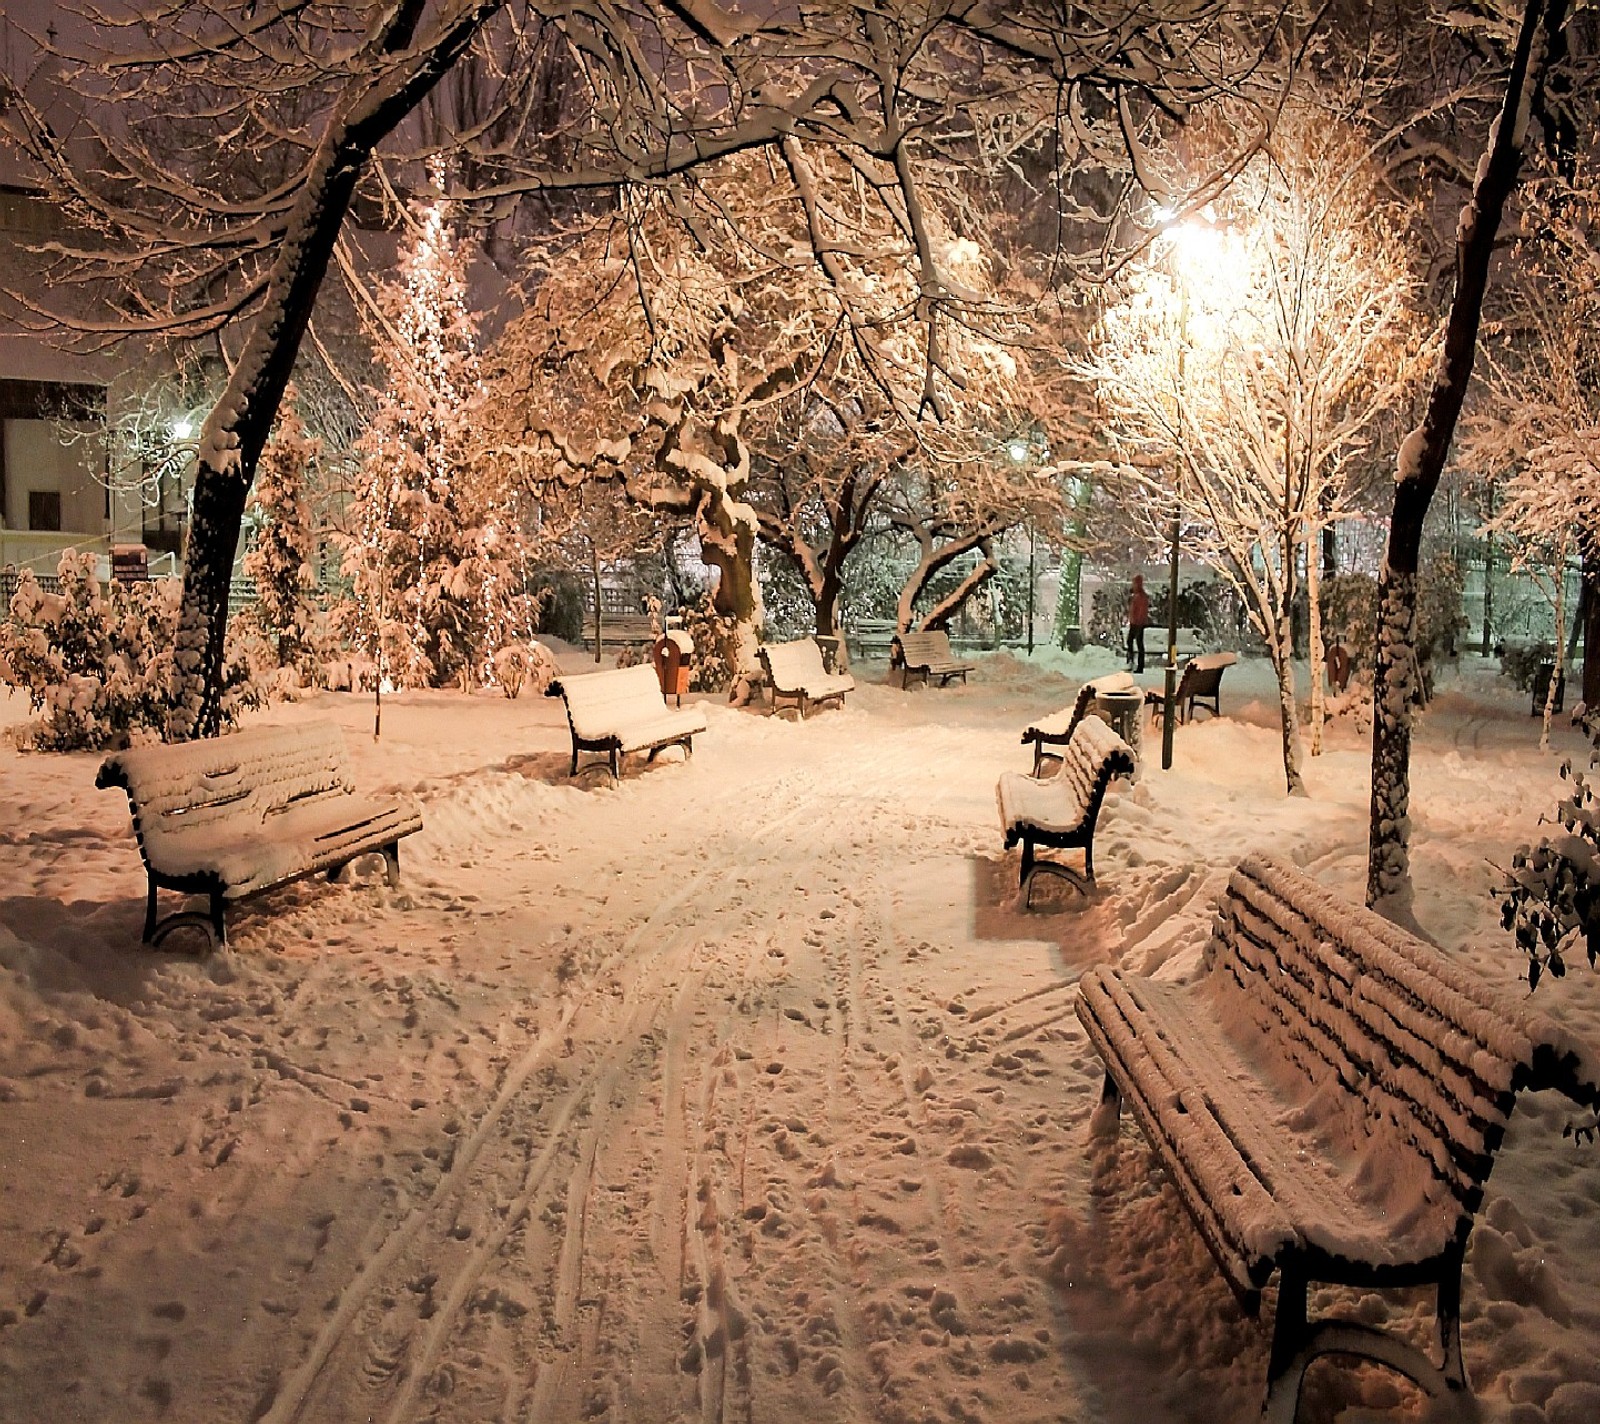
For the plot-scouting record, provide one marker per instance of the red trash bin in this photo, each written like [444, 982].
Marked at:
[670, 654]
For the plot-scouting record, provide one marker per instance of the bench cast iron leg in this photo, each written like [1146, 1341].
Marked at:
[150, 913]
[1449, 1316]
[217, 922]
[391, 856]
[1104, 1120]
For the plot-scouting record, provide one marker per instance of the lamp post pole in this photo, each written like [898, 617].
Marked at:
[1030, 586]
[1169, 709]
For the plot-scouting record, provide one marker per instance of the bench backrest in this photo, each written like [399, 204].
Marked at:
[602, 703]
[929, 647]
[1431, 1060]
[1093, 756]
[794, 665]
[218, 781]
[1202, 675]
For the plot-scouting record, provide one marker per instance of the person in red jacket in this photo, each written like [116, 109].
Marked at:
[1138, 621]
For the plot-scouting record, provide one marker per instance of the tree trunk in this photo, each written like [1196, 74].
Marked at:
[1558, 654]
[728, 544]
[1281, 649]
[1591, 631]
[1488, 587]
[1318, 659]
[1421, 461]
[379, 96]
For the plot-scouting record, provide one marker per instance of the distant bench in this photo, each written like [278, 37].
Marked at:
[926, 654]
[1317, 1024]
[622, 710]
[1061, 811]
[233, 817]
[1200, 683]
[796, 673]
[620, 630]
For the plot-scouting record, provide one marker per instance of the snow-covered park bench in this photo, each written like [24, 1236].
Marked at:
[1200, 682]
[233, 817]
[926, 655]
[1327, 1098]
[796, 674]
[622, 710]
[1056, 730]
[1061, 811]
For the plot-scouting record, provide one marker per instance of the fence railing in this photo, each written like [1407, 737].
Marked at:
[241, 591]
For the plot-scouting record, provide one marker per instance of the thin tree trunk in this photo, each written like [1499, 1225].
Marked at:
[1421, 461]
[1318, 665]
[1591, 631]
[1558, 667]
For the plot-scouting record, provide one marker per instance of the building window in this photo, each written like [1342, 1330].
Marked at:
[44, 510]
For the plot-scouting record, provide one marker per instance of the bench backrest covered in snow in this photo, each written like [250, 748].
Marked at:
[1328, 1099]
[622, 710]
[797, 674]
[230, 817]
[1056, 730]
[1061, 811]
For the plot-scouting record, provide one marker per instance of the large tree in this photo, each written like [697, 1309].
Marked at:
[286, 103]
[1538, 42]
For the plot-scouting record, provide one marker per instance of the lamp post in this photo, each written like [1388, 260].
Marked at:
[1169, 708]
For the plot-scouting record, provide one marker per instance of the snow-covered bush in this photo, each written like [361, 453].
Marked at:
[519, 665]
[96, 662]
[716, 646]
[1551, 896]
[282, 552]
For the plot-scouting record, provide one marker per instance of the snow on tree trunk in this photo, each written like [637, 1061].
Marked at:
[1280, 648]
[1317, 656]
[1559, 656]
[1421, 462]
[376, 98]
[728, 545]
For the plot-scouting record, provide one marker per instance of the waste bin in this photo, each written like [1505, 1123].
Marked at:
[670, 654]
[1123, 711]
[1541, 687]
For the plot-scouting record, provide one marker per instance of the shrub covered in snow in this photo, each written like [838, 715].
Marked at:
[96, 661]
[716, 646]
[1551, 897]
[517, 665]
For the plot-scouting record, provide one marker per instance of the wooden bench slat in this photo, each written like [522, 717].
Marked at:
[796, 672]
[1061, 812]
[1360, 1079]
[234, 816]
[621, 710]
[927, 654]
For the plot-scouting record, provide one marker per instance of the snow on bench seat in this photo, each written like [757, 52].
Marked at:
[1060, 811]
[1056, 729]
[622, 710]
[231, 817]
[796, 673]
[928, 655]
[1328, 1099]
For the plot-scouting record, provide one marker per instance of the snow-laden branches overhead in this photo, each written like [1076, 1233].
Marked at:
[213, 165]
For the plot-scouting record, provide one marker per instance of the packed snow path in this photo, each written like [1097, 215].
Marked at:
[739, 1091]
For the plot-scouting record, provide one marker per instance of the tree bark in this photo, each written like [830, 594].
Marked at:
[1591, 630]
[237, 428]
[1421, 461]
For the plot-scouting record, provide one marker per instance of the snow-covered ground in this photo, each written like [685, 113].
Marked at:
[739, 1091]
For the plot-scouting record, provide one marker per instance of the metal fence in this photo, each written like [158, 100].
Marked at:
[240, 592]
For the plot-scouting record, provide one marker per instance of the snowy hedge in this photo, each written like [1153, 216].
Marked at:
[95, 661]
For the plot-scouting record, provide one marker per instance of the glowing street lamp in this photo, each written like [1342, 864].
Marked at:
[1201, 262]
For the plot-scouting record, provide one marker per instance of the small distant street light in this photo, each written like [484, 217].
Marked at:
[182, 428]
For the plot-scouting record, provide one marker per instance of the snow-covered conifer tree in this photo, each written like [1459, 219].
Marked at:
[282, 554]
[433, 552]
